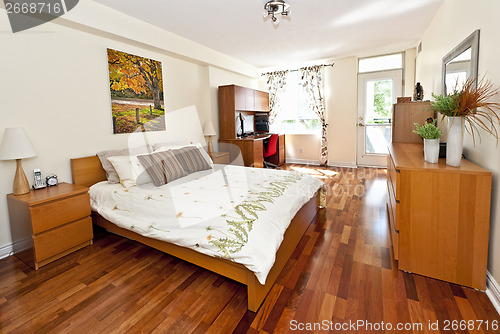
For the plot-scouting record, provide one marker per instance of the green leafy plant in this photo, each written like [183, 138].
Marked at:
[428, 130]
[472, 103]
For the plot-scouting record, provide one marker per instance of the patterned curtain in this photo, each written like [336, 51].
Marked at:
[312, 82]
[276, 82]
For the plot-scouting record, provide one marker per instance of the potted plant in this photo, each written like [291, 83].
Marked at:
[431, 134]
[467, 108]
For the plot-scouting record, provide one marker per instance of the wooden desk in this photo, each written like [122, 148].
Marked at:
[439, 216]
[251, 148]
[280, 157]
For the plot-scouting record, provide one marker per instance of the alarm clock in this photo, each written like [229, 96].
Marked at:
[51, 180]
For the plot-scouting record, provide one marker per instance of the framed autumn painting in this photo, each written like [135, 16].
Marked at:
[136, 85]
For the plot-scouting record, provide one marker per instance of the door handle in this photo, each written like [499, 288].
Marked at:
[361, 124]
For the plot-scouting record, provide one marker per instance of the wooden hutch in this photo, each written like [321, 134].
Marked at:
[234, 100]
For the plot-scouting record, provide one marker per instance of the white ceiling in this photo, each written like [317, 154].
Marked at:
[315, 29]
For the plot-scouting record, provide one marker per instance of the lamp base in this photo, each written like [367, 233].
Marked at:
[21, 185]
[210, 149]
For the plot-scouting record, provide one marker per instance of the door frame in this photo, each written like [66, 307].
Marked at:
[373, 159]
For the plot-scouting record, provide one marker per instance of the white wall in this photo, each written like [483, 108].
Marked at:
[409, 73]
[55, 84]
[303, 148]
[455, 20]
[341, 91]
[219, 77]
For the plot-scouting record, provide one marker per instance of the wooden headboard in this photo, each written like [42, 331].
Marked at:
[87, 171]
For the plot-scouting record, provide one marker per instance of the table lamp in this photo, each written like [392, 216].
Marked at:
[209, 131]
[16, 146]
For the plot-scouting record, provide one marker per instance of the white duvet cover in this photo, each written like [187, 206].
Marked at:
[232, 212]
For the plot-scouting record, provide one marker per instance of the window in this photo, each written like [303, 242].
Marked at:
[295, 116]
[380, 63]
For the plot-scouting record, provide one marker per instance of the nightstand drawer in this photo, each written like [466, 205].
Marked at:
[220, 158]
[61, 239]
[54, 214]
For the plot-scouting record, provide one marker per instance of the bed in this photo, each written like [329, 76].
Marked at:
[88, 171]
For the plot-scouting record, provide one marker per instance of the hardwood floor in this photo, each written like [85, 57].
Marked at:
[342, 271]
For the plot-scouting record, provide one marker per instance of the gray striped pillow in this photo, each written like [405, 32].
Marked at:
[191, 159]
[163, 167]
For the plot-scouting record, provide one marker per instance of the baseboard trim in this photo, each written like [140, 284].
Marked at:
[493, 291]
[20, 245]
[316, 163]
[342, 165]
[302, 162]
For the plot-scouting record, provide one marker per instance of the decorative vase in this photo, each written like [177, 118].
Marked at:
[454, 144]
[431, 150]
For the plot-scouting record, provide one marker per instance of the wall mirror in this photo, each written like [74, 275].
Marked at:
[461, 63]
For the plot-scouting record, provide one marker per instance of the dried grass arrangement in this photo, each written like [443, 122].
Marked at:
[471, 103]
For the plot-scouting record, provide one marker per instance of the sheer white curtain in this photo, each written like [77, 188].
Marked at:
[276, 83]
[312, 82]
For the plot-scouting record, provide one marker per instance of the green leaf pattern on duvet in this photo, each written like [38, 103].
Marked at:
[241, 219]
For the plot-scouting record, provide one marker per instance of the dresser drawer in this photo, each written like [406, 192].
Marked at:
[394, 234]
[54, 214]
[61, 239]
[395, 245]
[394, 206]
[393, 177]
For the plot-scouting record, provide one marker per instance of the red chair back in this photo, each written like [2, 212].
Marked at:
[272, 145]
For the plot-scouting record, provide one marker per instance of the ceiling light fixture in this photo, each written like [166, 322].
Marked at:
[275, 7]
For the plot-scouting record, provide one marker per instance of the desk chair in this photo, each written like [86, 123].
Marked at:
[270, 148]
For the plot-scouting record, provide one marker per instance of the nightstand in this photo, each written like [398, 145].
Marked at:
[220, 158]
[58, 218]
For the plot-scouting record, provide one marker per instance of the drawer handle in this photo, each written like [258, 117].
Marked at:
[398, 171]
[397, 201]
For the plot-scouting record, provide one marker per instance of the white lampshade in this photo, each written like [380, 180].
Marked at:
[209, 129]
[16, 145]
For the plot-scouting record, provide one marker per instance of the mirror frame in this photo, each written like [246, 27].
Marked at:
[470, 42]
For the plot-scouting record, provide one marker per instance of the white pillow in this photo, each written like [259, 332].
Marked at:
[197, 145]
[130, 170]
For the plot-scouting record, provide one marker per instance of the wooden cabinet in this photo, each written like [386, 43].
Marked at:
[235, 99]
[220, 158]
[439, 216]
[243, 98]
[261, 101]
[404, 116]
[232, 101]
[58, 218]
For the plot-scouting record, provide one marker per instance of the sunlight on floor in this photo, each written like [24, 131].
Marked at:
[375, 195]
[316, 172]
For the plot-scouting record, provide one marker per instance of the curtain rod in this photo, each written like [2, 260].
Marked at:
[324, 65]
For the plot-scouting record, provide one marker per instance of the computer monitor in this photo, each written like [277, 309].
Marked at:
[248, 125]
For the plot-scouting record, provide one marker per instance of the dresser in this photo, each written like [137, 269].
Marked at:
[58, 219]
[439, 216]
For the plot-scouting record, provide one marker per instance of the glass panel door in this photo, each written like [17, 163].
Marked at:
[376, 94]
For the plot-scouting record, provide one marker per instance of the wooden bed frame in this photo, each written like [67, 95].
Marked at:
[88, 171]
